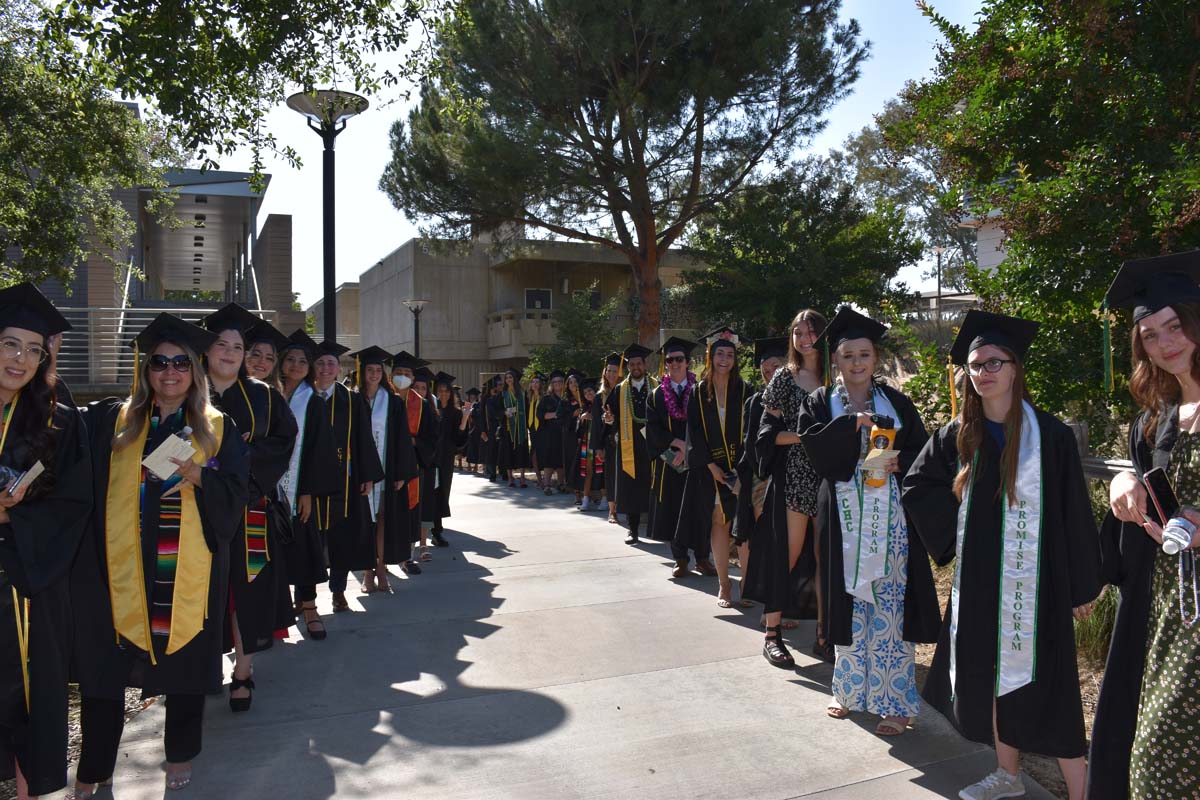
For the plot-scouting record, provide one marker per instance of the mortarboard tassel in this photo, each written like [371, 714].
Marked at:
[953, 389]
[358, 381]
[828, 366]
[1107, 354]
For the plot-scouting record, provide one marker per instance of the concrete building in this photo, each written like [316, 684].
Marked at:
[346, 297]
[488, 306]
[209, 252]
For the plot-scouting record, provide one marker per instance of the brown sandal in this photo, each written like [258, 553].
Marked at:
[892, 726]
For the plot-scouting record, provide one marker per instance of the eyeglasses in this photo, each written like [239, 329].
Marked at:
[992, 365]
[676, 359]
[181, 363]
[12, 349]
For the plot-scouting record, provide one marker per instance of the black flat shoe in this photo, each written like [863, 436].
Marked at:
[632, 539]
[439, 540]
[823, 651]
[776, 652]
[239, 704]
[411, 568]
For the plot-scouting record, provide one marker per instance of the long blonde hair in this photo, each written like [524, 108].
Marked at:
[196, 404]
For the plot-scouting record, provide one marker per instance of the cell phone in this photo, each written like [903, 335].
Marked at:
[1163, 502]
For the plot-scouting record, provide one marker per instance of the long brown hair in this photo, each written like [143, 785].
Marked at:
[1153, 388]
[818, 322]
[706, 374]
[196, 404]
[972, 428]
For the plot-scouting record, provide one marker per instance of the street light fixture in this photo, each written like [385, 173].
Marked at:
[416, 306]
[938, 308]
[327, 111]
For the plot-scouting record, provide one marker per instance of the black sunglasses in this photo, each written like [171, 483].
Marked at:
[160, 363]
[676, 359]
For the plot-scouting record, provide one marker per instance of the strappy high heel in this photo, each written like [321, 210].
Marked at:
[239, 704]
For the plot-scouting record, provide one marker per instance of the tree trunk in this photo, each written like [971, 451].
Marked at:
[649, 288]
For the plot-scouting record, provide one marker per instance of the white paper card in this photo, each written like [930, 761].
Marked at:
[159, 462]
[876, 458]
[27, 477]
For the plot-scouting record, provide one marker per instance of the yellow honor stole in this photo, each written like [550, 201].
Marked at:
[625, 402]
[123, 549]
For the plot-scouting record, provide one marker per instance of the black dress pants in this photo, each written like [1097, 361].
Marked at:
[102, 720]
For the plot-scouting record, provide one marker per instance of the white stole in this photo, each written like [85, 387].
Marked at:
[866, 514]
[379, 416]
[291, 479]
[1021, 535]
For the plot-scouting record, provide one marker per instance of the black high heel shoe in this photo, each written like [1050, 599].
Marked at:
[238, 704]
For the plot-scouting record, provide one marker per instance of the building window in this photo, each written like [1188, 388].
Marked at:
[593, 297]
[538, 299]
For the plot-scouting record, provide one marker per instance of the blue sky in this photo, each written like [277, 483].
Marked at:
[369, 227]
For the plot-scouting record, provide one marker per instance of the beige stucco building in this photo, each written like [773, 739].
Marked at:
[487, 304]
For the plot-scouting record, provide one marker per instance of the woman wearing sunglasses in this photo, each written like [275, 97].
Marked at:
[41, 524]
[258, 590]
[308, 478]
[150, 595]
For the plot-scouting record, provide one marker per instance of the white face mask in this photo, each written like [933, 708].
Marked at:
[402, 382]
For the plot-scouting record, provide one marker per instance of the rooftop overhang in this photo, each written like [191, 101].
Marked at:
[217, 211]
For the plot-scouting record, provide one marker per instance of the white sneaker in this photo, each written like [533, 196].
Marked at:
[995, 786]
[586, 505]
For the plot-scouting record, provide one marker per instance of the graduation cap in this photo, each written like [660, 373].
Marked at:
[825, 446]
[558, 373]
[612, 360]
[24, 306]
[1148, 285]
[636, 350]
[264, 331]
[677, 345]
[231, 317]
[588, 383]
[444, 378]
[848, 324]
[515, 372]
[423, 374]
[574, 373]
[329, 348]
[472, 392]
[300, 339]
[406, 360]
[772, 347]
[367, 356]
[722, 334]
[170, 328]
[980, 328]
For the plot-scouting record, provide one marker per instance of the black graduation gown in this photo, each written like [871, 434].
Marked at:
[633, 491]
[666, 484]
[569, 412]
[550, 431]
[475, 429]
[922, 621]
[304, 556]
[603, 437]
[425, 448]
[37, 547]
[450, 438]
[104, 667]
[399, 464]
[1128, 555]
[710, 447]
[512, 449]
[1047, 715]
[262, 605]
[345, 516]
[491, 426]
[744, 523]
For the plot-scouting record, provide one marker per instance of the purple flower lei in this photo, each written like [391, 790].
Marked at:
[672, 401]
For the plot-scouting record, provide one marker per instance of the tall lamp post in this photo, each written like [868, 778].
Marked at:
[327, 111]
[939, 250]
[416, 306]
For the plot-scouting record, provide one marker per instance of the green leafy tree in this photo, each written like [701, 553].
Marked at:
[1076, 124]
[214, 69]
[615, 122]
[802, 239]
[906, 175]
[585, 335]
[65, 146]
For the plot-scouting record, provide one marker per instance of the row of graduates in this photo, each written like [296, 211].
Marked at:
[115, 577]
[544, 426]
[999, 492]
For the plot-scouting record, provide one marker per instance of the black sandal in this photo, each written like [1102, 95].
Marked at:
[776, 652]
[237, 704]
[315, 635]
[823, 650]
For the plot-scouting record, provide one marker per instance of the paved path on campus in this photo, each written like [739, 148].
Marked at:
[541, 657]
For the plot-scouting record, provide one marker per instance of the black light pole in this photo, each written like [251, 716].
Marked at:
[327, 112]
[939, 250]
[416, 306]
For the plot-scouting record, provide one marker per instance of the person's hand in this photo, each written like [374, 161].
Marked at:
[245, 437]
[717, 473]
[678, 458]
[189, 473]
[7, 500]
[1153, 529]
[551, 415]
[1127, 498]
[862, 420]
[1084, 611]
[892, 465]
[584, 417]
[774, 412]
[608, 416]
[367, 487]
[398, 485]
[483, 436]
[304, 507]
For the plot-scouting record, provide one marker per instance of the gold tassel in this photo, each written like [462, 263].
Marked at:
[358, 381]
[621, 369]
[828, 366]
[953, 389]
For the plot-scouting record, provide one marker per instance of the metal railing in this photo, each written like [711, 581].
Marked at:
[96, 353]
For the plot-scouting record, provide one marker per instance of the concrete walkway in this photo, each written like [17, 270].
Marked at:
[540, 657]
